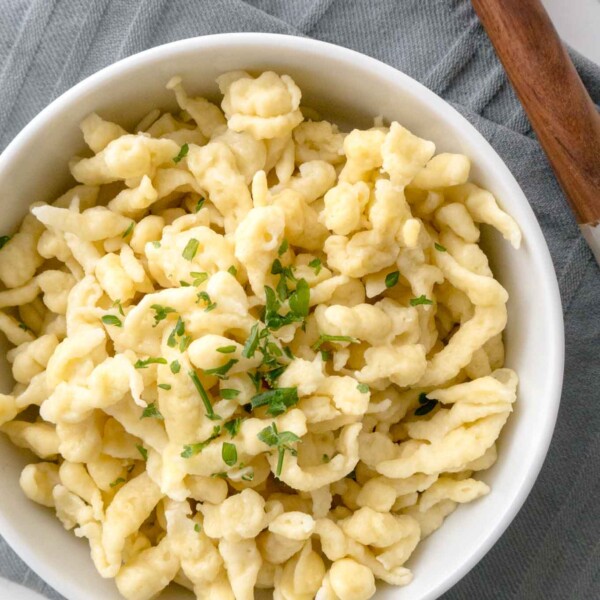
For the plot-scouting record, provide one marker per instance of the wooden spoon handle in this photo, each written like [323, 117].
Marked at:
[561, 111]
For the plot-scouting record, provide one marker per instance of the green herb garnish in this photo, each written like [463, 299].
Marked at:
[160, 313]
[226, 349]
[151, 412]
[422, 299]
[199, 277]
[391, 279]
[229, 393]
[233, 426]
[283, 248]
[323, 338]
[190, 450]
[277, 400]
[221, 372]
[128, 230]
[210, 413]
[117, 304]
[112, 320]
[251, 343]
[117, 481]
[316, 264]
[175, 367]
[439, 247]
[363, 388]
[232, 270]
[4, 239]
[142, 451]
[271, 437]
[164, 386]
[182, 153]
[143, 364]
[229, 454]
[210, 305]
[190, 249]
[199, 205]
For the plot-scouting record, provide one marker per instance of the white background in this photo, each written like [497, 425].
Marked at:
[578, 23]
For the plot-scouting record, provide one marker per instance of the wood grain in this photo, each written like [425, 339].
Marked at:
[561, 112]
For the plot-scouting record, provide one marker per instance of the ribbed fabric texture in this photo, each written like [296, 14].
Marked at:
[552, 549]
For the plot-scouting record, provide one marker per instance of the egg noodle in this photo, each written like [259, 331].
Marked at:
[252, 351]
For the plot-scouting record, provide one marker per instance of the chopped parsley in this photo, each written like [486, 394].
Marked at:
[298, 302]
[190, 249]
[232, 270]
[251, 343]
[143, 364]
[112, 320]
[164, 386]
[283, 248]
[363, 388]
[117, 481]
[23, 326]
[439, 247]
[197, 528]
[4, 240]
[190, 450]
[210, 305]
[233, 426]
[422, 299]
[177, 336]
[229, 393]
[182, 153]
[210, 413]
[277, 400]
[128, 230]
[248, 476]
[175, 367]
[142, 451]
[316, 264]
[426, 405]
[323, 338]
[151, 412]
[271, 437]
[156, 244]
[326, 355]
[229, 454]
[117, 304]
[199, 277]
[221, 372]
[391, 279]
[226, 349]
[326, 458]
[160, 313]
[199, 205]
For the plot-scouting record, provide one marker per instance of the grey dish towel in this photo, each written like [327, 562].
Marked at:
[552, 549]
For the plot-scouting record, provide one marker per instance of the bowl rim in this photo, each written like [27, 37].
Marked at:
[555, 353]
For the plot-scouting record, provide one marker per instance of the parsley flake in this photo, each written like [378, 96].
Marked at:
[251, 343]
[229, 454]
[391, 279]
[151, 412]
[316, 264]
[161, 313]
[117, 304]
[210, 305]
[283, 248]
[199, 205]
[226, 349]
[142, 451]
[232, 270]
[175, 367]
[143, 364]
[182, 153]
[422, 299]
[117, 481]
[277, 400]
[210, 413]
[190, 450]
[112, 320]
[323, 338]
[199, 277]
[363, 388]
[190, 249]
[229, 393]
[439, 247]
[128, 230]
[221, 372]
[164, 386]
[233, 426]
[271, 437]
[197, 528]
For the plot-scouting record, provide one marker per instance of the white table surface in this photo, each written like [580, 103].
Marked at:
[578, 23]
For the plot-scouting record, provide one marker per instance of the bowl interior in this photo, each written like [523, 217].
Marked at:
[350, 89]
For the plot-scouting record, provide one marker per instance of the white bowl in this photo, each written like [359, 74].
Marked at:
[351, 89]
